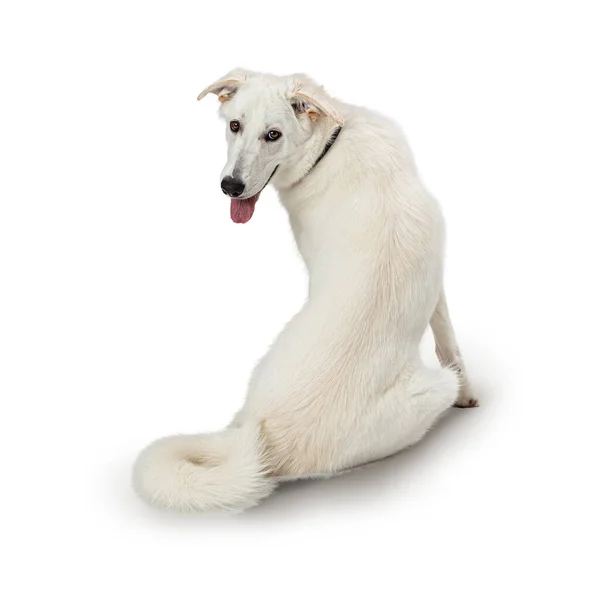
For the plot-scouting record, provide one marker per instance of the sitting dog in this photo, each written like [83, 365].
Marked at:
[344, 383]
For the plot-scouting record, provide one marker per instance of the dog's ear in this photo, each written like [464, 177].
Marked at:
[311, 99]
[227, 86]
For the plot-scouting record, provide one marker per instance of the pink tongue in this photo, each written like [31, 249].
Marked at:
[242, 210]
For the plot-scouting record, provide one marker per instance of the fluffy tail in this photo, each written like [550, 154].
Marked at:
[223, 470]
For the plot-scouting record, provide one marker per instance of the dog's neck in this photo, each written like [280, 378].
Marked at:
[307, 156]
[302, 184]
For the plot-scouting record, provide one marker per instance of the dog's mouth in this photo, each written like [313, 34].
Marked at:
[243, 209]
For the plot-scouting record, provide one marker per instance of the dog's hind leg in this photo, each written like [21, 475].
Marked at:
[401, 417]
[432, 392]
[448, 352]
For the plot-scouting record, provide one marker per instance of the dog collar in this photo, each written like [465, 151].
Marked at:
[328, 145]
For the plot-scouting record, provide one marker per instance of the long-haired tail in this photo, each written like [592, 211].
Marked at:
[223, 470]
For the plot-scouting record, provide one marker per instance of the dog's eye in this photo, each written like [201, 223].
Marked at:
[234, 126]
[273, 135]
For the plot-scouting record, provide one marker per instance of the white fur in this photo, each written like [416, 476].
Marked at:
[343, 384]
[191, 472]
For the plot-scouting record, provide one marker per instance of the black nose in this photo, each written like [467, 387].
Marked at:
[232, 187]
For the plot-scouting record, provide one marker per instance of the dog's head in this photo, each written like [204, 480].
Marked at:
[268, 121]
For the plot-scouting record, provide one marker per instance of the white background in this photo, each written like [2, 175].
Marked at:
[132, 307]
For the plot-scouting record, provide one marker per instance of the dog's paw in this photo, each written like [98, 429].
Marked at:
[466, 402]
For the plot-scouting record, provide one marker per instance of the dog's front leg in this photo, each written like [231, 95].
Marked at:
[448, 352]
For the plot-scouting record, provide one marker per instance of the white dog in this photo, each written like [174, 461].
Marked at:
[344, 383]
